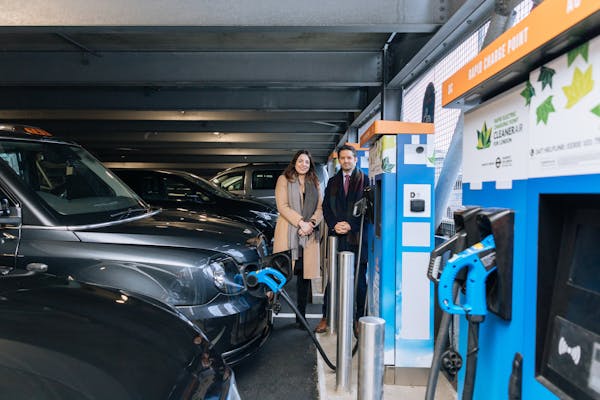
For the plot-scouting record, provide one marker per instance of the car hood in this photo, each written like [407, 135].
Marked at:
[180, 229]
[58, 331]
[254, 203]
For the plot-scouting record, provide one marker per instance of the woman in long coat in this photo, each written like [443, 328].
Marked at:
[299, 203]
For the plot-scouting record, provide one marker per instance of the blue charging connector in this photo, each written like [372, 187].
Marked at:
[274, 279]
[480, 261]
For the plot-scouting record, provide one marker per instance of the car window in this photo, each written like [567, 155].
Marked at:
[231, 181]
[67, 178]
[178, 188]
[208, 187]
[152, 188]
[265, 179]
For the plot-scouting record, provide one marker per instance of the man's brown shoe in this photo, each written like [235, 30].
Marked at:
[322, 326]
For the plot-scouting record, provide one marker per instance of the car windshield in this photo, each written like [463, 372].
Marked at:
[209, 187]
[69, 180]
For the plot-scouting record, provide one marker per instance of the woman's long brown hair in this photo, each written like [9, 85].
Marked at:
[290, 171]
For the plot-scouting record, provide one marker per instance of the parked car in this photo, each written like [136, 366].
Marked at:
[62, 207]
[258, 180]
[65, 340]
[180, 189]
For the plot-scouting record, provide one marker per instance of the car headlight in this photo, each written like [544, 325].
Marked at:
[265, 215]
[178, 285]
[226, 275]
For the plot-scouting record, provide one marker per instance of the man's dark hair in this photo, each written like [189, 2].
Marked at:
[347, 147]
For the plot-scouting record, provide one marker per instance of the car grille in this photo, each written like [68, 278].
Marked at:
[262, 247]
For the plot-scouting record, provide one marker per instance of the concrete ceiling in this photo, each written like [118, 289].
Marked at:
[205, 85]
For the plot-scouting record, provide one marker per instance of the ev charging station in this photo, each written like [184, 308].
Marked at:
[402, 174]
[531, 166]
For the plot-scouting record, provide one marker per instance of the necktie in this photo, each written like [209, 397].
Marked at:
[346, 183]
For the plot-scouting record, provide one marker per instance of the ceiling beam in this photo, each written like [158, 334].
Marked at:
[168, 130]
[150, 153]
[204, 138]
[253, 142]
[163, 98]
[182, 115]
[200, 159]
[283, 69]
[170, 165]
[355, 15]
[466, 20]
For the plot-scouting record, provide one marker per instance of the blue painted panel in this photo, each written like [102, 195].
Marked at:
[499, 339]
[414, 342]
[583, 184]
[381, 268]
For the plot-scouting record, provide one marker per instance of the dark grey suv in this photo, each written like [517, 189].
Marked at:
[61, 207]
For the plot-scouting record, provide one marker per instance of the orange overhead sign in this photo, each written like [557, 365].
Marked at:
[383, 127]
[545, 22]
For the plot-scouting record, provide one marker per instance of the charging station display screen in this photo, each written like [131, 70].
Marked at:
[569, 295]
[586, 258]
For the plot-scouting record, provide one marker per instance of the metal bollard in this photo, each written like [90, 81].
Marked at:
[333, 286]
[345, 317]
[370, 358]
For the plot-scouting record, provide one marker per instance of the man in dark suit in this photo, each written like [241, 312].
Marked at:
[343, 190]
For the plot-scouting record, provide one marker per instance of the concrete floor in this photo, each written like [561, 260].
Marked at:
[327, 380]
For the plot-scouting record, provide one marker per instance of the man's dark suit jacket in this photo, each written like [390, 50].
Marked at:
[337, 207]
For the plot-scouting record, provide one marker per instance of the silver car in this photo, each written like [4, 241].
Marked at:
[258, 180]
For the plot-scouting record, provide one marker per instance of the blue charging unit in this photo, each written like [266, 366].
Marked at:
[381, 272]
[535, 149]
[401, 171]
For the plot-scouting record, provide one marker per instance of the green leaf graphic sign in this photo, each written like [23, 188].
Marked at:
[596, 110]
[544, 110]
[583, 50]
[484, 137]
[386, 165]
[545, 77]
[528, 93]
[581, 85]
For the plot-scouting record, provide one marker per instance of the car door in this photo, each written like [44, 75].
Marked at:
[10, 231]
[263, 183]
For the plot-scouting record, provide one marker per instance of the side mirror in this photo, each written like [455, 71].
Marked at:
[9, 215]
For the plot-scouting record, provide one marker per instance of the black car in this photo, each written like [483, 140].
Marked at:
[179, 189]
[61, 207]
[65, 340]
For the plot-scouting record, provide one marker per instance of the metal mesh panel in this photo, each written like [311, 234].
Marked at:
[446, 118]
[522, 10]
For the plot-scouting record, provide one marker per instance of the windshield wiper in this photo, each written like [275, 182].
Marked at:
[126, 213]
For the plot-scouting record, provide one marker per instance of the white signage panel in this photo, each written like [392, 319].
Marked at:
[382, 156]
[565, 114]
[495, 141]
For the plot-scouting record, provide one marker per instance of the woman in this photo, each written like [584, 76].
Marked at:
[299, 204]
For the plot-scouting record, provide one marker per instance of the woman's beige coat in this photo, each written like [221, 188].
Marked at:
[312, 253]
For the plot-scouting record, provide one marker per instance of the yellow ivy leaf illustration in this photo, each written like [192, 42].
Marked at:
[581, 85]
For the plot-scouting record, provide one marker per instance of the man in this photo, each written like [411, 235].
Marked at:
[343, 190]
